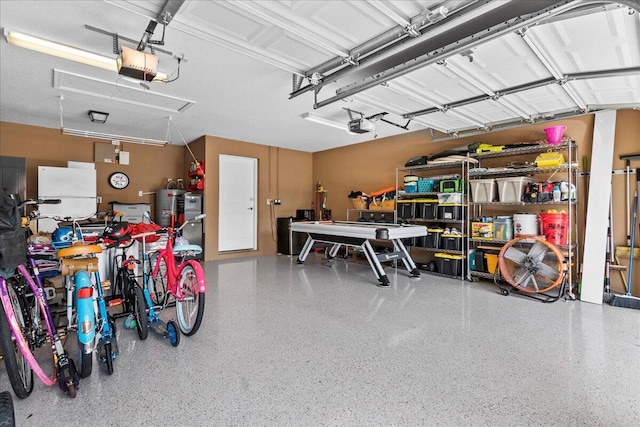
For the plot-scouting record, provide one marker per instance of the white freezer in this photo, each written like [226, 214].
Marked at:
[76, 188]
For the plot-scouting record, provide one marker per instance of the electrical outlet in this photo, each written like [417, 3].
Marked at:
[140, 193]
[277, 202]
[98, 199]
[269, 201]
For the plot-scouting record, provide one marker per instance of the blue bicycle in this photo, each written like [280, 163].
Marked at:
[86, 305]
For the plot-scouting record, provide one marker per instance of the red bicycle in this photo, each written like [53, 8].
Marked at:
[177, 276]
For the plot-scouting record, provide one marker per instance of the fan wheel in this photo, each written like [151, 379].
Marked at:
[531, 264]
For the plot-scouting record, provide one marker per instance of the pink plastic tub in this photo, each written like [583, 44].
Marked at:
[554, 134]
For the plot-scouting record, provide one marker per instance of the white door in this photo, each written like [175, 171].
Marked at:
[237, 224]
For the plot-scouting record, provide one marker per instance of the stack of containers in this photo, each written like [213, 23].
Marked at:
[411, 183]
[450, 206]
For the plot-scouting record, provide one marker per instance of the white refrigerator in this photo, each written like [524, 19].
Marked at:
[75, 187]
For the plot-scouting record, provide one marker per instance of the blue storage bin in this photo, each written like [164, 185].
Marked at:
[427, 185]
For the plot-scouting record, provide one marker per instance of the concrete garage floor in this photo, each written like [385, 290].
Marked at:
[313, 345]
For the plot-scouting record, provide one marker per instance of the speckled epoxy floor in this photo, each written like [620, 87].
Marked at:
[283, 344]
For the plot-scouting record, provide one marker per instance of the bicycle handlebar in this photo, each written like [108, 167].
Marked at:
[195, 218]
[39, 202]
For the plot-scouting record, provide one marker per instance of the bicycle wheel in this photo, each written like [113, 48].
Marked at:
[158, 285]
[190, 307]
[108, 358]
[24, 318]
[18, 370]
[173, 333]
[142, 322]
[86, 360]
[7, 417]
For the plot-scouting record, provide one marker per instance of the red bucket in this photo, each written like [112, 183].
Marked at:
[554, 227]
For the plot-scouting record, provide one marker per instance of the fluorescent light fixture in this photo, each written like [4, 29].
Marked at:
[98, 116]
[71, 53]
[111, 137]
[323, 121]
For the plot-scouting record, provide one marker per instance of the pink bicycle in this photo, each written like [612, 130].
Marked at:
[177, 276]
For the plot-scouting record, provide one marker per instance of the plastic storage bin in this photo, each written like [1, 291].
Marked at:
[483, 190]
[492, 262]
[479, 263]
[450, 211]
[511, 189]
[452, 242]
[503, 228]
[409, 241]
[455, 185]
[406, 209]
[426, 209]
[450, 198]
[411, 187]
[431, 240]
[449, 264]
[427, 185]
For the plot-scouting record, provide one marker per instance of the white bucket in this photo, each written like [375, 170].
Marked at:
[525, 224]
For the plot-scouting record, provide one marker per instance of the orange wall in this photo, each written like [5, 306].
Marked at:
[148, 170]
[292, 175]
[282, 174]
[371, 165]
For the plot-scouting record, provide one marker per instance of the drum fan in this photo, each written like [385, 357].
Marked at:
[533, 266]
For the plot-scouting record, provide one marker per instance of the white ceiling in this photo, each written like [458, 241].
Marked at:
[471, 71]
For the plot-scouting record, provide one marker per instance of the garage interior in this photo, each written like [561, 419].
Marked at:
[282, 82]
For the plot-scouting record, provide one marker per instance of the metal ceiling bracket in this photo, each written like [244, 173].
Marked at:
[169, 11]
[116, 44]
[296, 81]
[127, 39]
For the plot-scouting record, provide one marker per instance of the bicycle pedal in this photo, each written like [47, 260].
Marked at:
[106, 284]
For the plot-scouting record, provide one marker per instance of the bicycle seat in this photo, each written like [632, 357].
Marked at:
[78, 249]
[187, 248]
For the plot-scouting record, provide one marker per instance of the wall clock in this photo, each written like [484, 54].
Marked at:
[119, 180]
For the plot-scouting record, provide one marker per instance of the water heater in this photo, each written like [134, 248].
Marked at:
[168, 206]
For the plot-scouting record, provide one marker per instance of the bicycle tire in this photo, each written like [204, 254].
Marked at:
[7, 416]
[21, 381]
[142, 322]
[173, 334]
[108, 358]
[86, 361]
[119, 289]
[15, 320]
[190, 307]
[158, 285]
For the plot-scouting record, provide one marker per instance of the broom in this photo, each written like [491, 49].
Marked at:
[627, 300]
